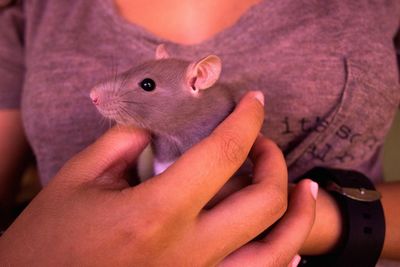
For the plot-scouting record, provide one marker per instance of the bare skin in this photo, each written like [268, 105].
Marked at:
[184, 22]
[96, 219]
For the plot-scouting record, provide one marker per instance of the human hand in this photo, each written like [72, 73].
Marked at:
[88, 215]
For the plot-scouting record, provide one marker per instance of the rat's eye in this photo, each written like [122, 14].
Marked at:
[148, 84]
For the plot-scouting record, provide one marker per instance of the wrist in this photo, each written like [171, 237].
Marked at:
[362, 214]
[327, 230]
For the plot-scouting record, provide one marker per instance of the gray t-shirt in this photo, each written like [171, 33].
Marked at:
[328, 68]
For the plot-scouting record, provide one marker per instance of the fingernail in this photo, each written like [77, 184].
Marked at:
[314, 189]
[295, 262]
[259, 96]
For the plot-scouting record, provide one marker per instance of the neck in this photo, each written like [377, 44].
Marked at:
[185, 22]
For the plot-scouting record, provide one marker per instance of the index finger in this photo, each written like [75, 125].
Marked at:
[198, 174]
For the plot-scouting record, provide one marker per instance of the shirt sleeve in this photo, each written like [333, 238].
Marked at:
[11, 55]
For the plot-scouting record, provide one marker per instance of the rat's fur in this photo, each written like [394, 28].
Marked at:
[176, 117]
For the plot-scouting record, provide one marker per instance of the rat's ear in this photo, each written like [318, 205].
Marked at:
[161, 52]
[204, 73]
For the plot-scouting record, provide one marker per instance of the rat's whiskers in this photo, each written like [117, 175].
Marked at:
[131, 102]
[124, 80]
[127, 93]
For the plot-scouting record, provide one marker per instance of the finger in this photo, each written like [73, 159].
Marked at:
[254, 208]
[112, 152]
[281, 245]
[196, 176]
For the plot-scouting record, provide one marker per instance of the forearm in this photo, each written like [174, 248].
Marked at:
[391, 201]
[326, 232]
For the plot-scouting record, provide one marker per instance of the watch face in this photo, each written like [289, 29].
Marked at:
[356, 193]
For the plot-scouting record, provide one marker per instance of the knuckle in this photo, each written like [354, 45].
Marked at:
[269, 142]
[232, 150]
[274, 203]
[272, 148]
[279, 203]
[148, 228]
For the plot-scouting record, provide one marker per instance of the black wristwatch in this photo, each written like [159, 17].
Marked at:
[363, 219]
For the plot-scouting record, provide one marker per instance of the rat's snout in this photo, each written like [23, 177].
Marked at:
[95, 97]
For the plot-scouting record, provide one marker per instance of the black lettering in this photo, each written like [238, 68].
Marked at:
[319, 154]
[287, 129]
[322, 124]
[303, 125]
[343, 132]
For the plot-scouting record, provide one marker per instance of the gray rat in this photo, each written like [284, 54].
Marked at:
[178, 101]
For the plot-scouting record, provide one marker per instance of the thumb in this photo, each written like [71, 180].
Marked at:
[114, 151]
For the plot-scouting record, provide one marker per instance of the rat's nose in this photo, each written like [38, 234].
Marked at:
[95, 97]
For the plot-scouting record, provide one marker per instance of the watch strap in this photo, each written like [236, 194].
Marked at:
[363, 219]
